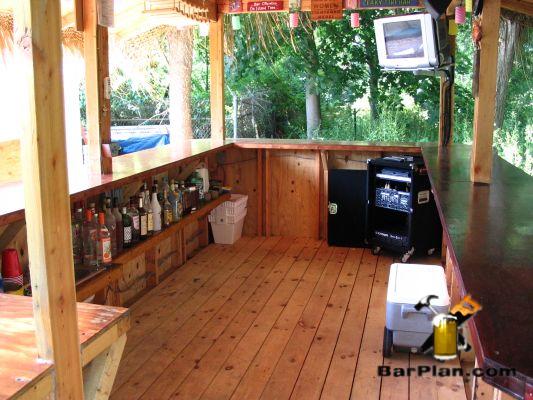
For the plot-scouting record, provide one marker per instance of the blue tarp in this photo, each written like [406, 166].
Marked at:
[134, 144]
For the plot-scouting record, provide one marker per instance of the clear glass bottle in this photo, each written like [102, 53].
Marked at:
[120, 228]
[104, 254]
[173, 201]
[148, 207]
[77, 235]
[127, 228]
[111, 225]
[135, 223]
[89, 241]
[143, 219]
[156, 210]
[167, 210]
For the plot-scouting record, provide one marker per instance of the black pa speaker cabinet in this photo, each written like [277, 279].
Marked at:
[347, 207]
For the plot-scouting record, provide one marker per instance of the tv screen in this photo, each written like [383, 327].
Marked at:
[406, 42]
[403, 39]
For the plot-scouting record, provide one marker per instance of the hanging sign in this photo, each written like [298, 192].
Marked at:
[388, 3]
[322, 10]
[235, 6]
[265, 6]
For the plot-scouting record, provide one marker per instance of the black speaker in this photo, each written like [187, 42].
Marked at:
[436, 7]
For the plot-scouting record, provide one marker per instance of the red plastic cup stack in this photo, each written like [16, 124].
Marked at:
[11, 271]
[294, 20]
[354, 20]
[460, 15]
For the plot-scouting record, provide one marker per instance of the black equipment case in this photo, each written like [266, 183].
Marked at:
[401, 212]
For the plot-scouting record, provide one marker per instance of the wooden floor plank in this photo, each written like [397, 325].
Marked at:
[366, 385]
[189, 319]
[251, 294]
[313, 374]
[208, 365]
[285, 374]
[152, 311]
[152, 340]
[252, 383]
[272, 318]
[341, 372]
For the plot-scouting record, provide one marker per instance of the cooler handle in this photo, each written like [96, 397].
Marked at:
[408, 309]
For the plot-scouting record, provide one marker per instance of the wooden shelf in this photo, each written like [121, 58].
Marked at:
[156, 238]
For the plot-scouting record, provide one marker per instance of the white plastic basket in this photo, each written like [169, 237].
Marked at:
[230, 211]
[228, 233]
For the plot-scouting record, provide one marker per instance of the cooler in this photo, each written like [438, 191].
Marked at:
[408, 283]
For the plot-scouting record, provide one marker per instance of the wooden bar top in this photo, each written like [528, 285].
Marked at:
[137, 166]
[21, 371]
[489, 229]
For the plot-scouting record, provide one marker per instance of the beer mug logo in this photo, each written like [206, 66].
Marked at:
[446, 339]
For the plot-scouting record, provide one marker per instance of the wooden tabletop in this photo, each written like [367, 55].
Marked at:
[21, 372]
[490, 232]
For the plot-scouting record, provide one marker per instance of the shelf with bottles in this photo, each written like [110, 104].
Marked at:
[117, 231]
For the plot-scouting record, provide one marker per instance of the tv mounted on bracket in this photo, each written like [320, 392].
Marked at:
[411, 42]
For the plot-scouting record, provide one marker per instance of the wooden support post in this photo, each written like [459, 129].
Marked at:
[100, 373]
[47, 202]
[216, 59]
[325, 193]
[259, 192]
[268, 180]
[96, 50]
[78, 15]
[484, 106]
[447, 90]
[152, 267]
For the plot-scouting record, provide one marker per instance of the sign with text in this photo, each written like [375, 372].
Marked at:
[388, 3]
[265, 6]
[323, 10]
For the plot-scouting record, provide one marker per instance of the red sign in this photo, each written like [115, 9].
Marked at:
[323, 10]
[265, 6]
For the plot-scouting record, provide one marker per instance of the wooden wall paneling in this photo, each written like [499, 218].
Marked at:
[294, 193]
[324, 155]
[96, 56]
[319, 182]
[485, 99]
[240, 172]
[165, 257]
[216, 62]
[37, 35]
[268, 188]
[176, 258]
[260, 192]
[78, 15]
[192, 243]
[133, 280]
[350, 159]
[152, 268]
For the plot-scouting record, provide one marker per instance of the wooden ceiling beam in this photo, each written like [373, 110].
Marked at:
[519, 6]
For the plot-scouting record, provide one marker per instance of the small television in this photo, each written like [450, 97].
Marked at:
[407, 42]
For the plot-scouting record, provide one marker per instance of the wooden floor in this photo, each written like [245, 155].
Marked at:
[271, 318]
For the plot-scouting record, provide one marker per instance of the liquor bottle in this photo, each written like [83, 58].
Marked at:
[143, 218]
[194, 198]
[156, 210]
[148, 207]
[120, 227]
[111, 225]
[167, 210]
[89, 241]
[135, 223]
[179, 197]
[77, 235]
[127, 228]
[92, 207]
[173, 202]
[104, 243]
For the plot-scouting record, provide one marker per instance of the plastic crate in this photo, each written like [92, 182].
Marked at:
[228, 233]
[230, 211]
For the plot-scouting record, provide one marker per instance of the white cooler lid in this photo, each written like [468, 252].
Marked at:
[408, 283]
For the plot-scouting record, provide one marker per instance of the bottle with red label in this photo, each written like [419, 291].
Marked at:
[104, 243]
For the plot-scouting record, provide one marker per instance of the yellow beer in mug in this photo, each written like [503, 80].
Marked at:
[445, 337]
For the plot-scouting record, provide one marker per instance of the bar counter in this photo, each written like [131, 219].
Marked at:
[489, 233]
[140, 165]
